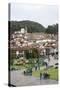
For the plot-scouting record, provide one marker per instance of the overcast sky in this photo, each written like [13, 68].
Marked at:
[44, 14]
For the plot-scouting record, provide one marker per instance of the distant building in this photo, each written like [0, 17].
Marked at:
[24, 30]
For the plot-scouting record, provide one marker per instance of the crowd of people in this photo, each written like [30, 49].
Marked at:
[44, 76]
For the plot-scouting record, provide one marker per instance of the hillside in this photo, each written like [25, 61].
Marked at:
[32, 26]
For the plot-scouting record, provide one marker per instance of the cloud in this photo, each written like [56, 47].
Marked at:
[44, 14]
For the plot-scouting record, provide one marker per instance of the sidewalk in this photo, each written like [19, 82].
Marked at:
[18, 79]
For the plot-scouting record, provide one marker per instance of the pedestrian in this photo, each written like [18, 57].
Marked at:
[40, 76]
[46, 65]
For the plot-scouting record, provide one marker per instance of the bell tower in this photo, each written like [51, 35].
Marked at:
[25, 29]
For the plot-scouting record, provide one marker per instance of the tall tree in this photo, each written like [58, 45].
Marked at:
[52, 29]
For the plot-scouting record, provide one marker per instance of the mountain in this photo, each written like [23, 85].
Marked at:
[32, 26]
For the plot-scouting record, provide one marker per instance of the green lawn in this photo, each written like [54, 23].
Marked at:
[52, 71]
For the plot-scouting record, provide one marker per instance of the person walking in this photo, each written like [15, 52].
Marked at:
[40, 76]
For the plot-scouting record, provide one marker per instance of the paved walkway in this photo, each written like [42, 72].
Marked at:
[18, 79]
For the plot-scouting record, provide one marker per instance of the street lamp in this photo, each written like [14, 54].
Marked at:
[30, 53]
[47, 53]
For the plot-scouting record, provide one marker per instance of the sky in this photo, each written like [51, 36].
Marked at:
[43, 14]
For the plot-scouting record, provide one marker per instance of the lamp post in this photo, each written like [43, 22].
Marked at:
[47, 53]
[38, 60]
[30, 52]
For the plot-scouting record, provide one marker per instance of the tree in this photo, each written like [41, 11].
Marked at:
[32, 26]
[33, 54]
[12, 56]
[27, 55]
[52, 29]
